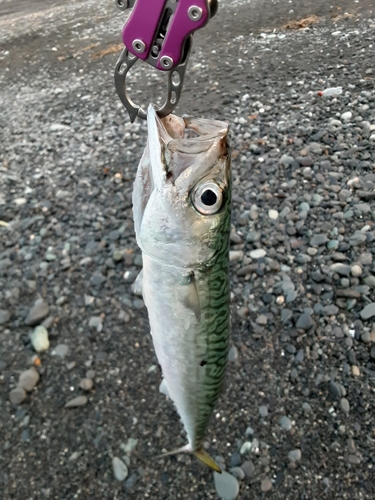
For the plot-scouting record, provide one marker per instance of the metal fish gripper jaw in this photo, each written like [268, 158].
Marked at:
[159, 32]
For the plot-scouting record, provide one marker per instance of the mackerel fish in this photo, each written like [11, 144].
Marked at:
[181, 207]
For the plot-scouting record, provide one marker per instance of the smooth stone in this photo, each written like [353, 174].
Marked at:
[37, 313]
[356, 270]
[61, 350]
[17, 395]
[368, 312]
[266, 485]
[344, 403]
[295, 455]
[259, 253]
[233, 353]
[285, 423]
[75, 402]
[304, 322]
[347, 116]
[120, 470]
[86, 384]
[226, 485]
[238, 472]
[263, 411]
[39, 339]
[318, 240]
[248, 468]
[273, 214]
[339, 268]
[4, 316]
[28, 379]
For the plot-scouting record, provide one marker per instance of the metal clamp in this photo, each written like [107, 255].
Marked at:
[175, 83]
[160, 33]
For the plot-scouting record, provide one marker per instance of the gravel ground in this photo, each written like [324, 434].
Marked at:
[80, 412]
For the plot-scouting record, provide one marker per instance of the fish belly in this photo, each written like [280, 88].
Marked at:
[189, 320]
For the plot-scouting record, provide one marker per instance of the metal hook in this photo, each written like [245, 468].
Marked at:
[175, 83]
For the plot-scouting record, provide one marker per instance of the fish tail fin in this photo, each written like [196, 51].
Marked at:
[204, 457]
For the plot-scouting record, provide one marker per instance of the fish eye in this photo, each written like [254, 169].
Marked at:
[208, 198]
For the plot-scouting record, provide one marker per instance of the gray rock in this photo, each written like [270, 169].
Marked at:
[17, 395]
[295, 455]
[86, 384]
[237, 472]
[61, 350]
[304, 321]
[344, 403]
[285, 423]
[263, 411]
[226, 485]
[120, 470]
[340, 268]
[248, 468]
[4, 316]
[368, 312]
[75, 402]
[37, 313]
[28, 379]
[266, 485]
[318, 240]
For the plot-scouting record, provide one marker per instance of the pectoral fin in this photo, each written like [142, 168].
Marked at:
[189, 294]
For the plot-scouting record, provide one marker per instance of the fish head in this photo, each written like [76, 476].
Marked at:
[182, 191]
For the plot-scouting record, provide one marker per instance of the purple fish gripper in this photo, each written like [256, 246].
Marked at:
[157, 30]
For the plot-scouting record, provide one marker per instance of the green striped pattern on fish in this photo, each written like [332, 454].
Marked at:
[181, 207]
[216, 325]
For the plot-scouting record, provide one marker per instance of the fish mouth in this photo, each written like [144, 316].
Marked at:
[183, 139]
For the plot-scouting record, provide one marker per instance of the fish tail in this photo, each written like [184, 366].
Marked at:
[201, 455]
[204, 457]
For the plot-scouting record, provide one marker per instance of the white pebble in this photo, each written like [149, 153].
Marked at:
[273, 214]
[347, 116]
[356, 270]
[120, 470]
[235, 255]
[258, 253]
[39, 339]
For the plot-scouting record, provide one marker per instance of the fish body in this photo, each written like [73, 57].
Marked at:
[181, 206]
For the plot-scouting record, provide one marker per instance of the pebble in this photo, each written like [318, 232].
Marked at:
[226, 485]
[285, 423]
[259, 253]
[39, 339]
[263, 411]
[344, 403]
[75, 402]
[356, 270]
[4, 316]
[295, 455]
[318, 240]
[237, 472]
[304, 321]
[273, 214]
[347, 116]
[368, 312]
[86, 384]
[37, 313]
[17, 395]
[266, 485]
[61, 350]
[248, 468]
[28, 379]
[120, 470]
